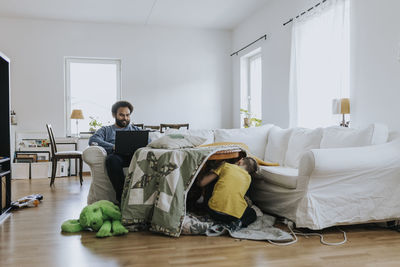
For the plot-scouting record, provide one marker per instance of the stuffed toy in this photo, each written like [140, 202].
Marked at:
[103, 216]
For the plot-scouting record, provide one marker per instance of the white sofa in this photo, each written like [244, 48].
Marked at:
[327, 176]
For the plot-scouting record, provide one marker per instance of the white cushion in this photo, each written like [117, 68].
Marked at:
[282, 176]
[207, 134]
[175, 141]
[155, 135]
[278, 140]
[381, 134]
[337, 136]
[301, 141]
[254, 137]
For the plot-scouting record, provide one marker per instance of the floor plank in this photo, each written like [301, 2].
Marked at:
[32, 237]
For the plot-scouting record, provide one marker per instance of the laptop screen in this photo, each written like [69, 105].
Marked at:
[127, 142]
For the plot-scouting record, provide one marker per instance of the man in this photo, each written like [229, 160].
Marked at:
[105, 137]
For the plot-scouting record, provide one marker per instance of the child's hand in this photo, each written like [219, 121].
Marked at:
[207, 179]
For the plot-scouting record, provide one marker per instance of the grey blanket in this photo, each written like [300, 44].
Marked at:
[261, 229]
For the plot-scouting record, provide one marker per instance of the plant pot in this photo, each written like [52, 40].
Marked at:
[246, 122]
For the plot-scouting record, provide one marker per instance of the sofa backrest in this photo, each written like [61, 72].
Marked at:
[286, 146]
[336, 136]
[275, 149]
[255, 137]
[207, 134]
[393, 135]
[301, 140]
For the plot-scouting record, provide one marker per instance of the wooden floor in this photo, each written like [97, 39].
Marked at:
[32, 237]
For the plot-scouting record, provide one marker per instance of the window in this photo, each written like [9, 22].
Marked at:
[251, 85]
[92, 85]
[319, 64]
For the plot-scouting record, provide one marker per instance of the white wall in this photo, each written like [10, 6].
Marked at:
[375, 78]
[375, 68]
[275, 57]
[171, 75]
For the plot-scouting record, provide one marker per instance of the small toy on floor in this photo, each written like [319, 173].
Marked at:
[27, 201]
[103, 217]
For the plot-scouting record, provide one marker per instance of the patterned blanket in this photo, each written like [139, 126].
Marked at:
[156, 187]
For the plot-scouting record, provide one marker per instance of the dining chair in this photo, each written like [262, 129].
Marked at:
[152, 127]
[173, 126]
[58, 155]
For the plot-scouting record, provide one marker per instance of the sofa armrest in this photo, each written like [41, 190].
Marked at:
[94, 155]
[101, 187]
[350, 185]
[358, 159]
[353, 166]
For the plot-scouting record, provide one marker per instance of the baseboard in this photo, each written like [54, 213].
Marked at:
[86, 173]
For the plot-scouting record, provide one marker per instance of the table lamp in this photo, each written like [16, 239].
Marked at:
[77, 114]
[341, 106]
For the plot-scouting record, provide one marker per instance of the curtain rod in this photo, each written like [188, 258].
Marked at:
[304, 12]
[262, 37]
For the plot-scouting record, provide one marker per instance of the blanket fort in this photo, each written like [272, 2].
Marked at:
[157, 184]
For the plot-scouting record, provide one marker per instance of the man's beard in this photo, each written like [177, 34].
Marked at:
[122, 123]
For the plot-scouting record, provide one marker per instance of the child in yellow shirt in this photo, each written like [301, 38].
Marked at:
[227, 203]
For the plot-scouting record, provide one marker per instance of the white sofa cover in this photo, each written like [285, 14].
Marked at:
[314, 187]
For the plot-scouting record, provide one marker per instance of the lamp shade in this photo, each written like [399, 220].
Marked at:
[341, 106]
[77, 114]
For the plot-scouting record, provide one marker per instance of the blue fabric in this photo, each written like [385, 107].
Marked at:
[105, 136]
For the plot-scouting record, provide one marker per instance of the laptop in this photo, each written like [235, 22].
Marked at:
[127, 142]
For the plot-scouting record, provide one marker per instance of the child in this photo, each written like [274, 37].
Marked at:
[227, 203]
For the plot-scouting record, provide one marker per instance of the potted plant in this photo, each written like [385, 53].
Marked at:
[248, 120]
[94, 124]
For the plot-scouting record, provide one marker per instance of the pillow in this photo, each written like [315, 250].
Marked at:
[207, 134]
[278, 140]
[336, 136]
[155, 135]
[254, 137]
[172, 141]
[301, 141]
[380, 135]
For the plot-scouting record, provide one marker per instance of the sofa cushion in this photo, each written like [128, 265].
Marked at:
[174, 141]
[283, 176]
[301, 141]
[207, 134]
[276, 147]
[155, 135]
[380, 135]
[334, 137]
[255, 137]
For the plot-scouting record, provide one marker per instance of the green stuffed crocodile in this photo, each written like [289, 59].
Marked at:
[103, 216]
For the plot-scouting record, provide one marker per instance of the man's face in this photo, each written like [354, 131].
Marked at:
[123, 117]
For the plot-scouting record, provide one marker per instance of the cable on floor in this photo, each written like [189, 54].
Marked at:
[295, 234]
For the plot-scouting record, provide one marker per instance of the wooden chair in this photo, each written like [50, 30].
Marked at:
[152, 127]
[56, 156]
[173, 126]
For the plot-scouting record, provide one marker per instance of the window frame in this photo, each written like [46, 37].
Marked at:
[245, 84]
[67, 83]
[249, 60]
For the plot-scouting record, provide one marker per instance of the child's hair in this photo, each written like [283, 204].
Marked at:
[251, 165]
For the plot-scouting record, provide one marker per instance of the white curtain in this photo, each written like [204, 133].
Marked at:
[319, 70]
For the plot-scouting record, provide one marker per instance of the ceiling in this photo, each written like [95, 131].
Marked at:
[215, 14]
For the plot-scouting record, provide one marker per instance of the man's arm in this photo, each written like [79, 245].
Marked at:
[97, 139]
[206, 179]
